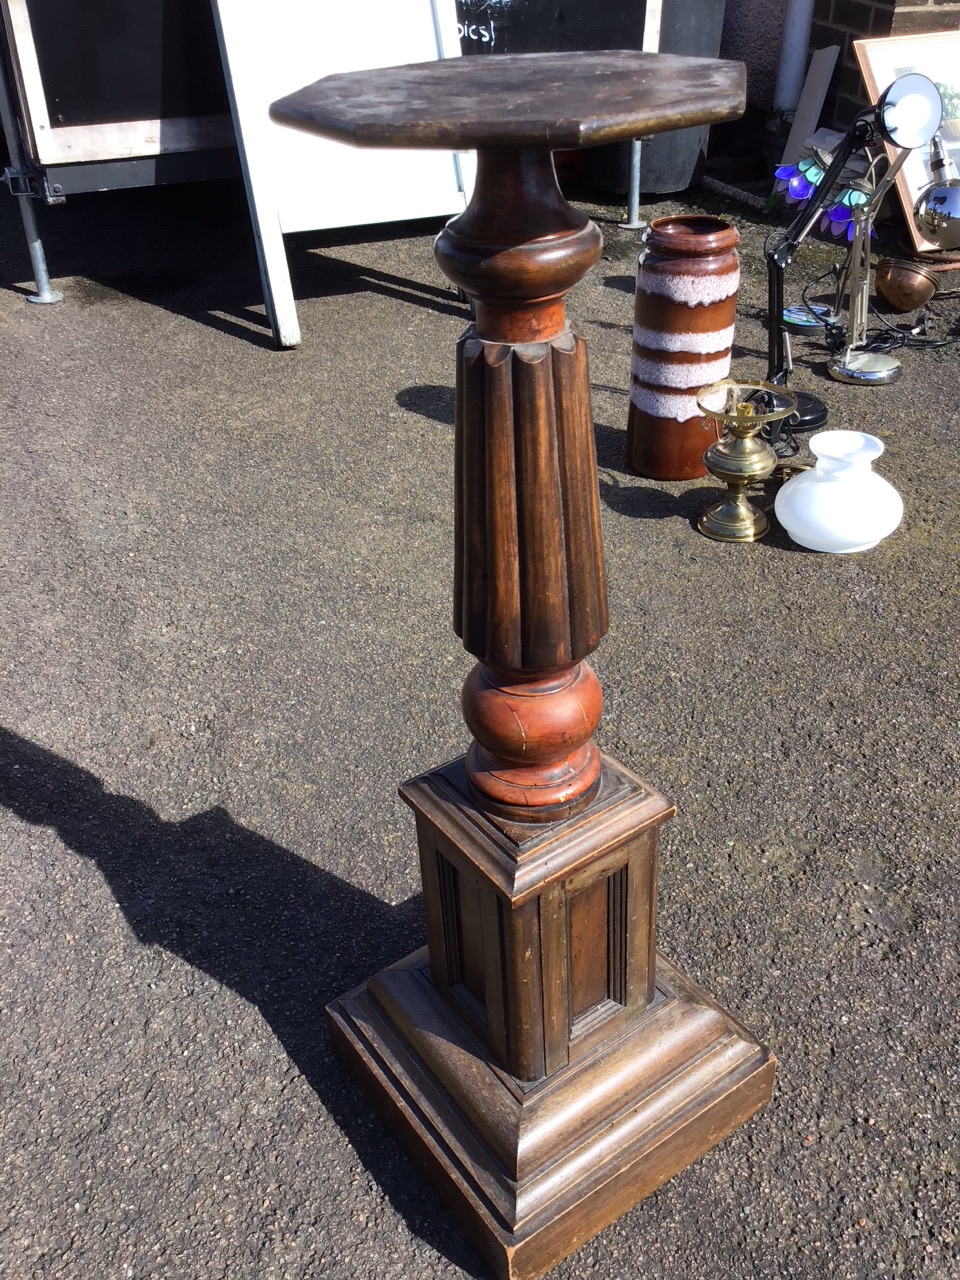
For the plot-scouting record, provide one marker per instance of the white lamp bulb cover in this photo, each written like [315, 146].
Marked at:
[910, 111]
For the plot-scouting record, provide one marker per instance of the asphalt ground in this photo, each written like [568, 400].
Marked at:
[226, 640]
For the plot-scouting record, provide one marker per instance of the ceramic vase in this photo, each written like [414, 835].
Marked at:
[686, 298]
[841, 504]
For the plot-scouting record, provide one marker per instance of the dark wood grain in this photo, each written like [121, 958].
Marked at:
[641, 922]
[543, 564]
[529, 587]
[581, 520]
[518, 247]
[553, 100]
[554, 943]
[433, 899]
[550, 973]
[523, 985]
[472, 939]
[502, 643]
[470, 574]
[588, 923]
[492, 910]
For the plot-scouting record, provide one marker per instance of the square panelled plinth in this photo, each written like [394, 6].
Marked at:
[541, 936]
[544, 1064]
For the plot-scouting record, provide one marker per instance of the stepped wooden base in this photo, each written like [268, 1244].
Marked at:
[535, 1170]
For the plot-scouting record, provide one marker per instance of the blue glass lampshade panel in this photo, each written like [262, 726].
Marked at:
[799, 188]
[839, 217]
[799, 181]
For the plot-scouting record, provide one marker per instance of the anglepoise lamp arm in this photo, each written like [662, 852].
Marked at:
[856, 276]
[780, 255]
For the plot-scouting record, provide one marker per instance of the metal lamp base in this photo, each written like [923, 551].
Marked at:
[731, 521]
[808, 319]
[811, 413]
[864, 368]
[740, 457]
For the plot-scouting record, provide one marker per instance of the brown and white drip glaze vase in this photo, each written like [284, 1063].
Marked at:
[687, 280]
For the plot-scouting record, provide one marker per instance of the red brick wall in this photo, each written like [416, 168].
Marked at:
[843, 21]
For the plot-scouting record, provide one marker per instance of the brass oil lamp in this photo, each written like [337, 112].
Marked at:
[740, 457]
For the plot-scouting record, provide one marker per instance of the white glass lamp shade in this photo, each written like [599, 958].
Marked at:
[909, 112]
[840, 505]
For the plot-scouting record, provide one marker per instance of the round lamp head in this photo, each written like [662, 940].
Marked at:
[937, 214]
[909, 112]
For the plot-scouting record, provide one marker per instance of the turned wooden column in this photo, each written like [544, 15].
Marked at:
[529, 590]
[546, 1066]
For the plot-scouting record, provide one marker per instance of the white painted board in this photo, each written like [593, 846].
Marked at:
[814, 93]
[297, 182]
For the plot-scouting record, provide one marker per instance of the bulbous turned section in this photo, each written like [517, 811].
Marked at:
[533, 758]
[519, 247]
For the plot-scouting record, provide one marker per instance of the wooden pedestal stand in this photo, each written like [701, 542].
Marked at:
[543, 1063]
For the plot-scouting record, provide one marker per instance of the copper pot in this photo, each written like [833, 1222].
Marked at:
[905, 285]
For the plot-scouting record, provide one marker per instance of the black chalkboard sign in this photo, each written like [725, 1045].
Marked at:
[549, 26]
[105, 61]
[688, 27]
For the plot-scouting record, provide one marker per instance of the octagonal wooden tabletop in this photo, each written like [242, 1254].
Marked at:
[548, 100]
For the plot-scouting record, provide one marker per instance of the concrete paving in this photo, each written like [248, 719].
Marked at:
[226, 640]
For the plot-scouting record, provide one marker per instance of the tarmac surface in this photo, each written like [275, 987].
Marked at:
[226, 639]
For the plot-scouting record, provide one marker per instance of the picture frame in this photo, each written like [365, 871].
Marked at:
[933, 54]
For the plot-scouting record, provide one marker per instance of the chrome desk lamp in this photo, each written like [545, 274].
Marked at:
[855, 362]
[937, 211]
[907, 115]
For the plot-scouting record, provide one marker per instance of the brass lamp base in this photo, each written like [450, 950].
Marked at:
[733, 521]
[739, 457]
